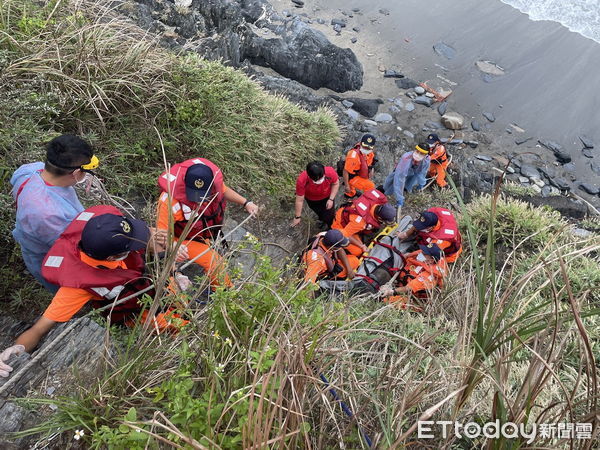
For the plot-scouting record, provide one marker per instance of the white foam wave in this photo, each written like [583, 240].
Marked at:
[580, 16]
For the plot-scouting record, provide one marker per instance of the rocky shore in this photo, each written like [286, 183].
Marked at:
[286, 54]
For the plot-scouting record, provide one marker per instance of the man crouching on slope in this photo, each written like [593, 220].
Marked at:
[100, 257]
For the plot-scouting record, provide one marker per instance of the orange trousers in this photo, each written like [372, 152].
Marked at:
[212, 263]
[362, 184]
[439, 172]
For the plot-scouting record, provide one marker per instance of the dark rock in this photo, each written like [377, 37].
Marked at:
[569, 167]
[472, 144]
[489, 116]
[433, 125]
[294, 91]
[340, 22]
[337, 28]
[383, 117]
[559, 152]
[389, 73]
[548, 172]
[546, 191]
[366, 106]
[320, 21]
[560, 183]
[298, 3]
[483, 158]
[305, 55]
[442, 108]
[522, 140]
[409, 107]
[353, 114]
[385, 12]
[586, 141]
[412, 95]
[595, 168]
[529, 171]
[423, 100]
[444, 50]
[475, 125]
[353, 40]
[420, 90]
[355, 10]
[509, 131]
[566, 206]
[591, 189]
[406, 83]
[347, 103]
[355, 29]
[588, 153]
[452, 142]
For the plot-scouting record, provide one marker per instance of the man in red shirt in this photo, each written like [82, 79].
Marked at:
[318, 185]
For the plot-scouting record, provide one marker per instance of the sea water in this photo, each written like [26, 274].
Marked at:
[580, 16]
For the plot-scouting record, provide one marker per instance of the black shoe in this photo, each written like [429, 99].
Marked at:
[380, 188]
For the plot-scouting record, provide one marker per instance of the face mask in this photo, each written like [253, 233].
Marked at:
[365, 151]
[421, 257]
[417, 157]
[122, 257]
[319, 181]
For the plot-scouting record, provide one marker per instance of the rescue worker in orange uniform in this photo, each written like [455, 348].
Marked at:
[358, 168]
[364, 215]
[439, 160]
[424, 270]
[437, 226]
[194, 194]
[326, 258]
[99, 258]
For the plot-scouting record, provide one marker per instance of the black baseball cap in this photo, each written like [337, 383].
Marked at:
[368, 140]
[386, 212]
[109, 235]
[425, 220]
[432, 139]
[198, 181]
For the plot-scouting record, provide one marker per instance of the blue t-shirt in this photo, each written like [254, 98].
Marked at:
[43, 211]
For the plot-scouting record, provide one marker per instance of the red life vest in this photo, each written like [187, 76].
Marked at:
[208, 225]
[363, 172]
[330, 260]
[363, 206]
[438, 154]
[63, 266]
[447, 231]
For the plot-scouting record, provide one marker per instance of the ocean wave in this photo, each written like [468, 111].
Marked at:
[580, 16]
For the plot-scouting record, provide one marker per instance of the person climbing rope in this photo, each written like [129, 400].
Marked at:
[424, 270]
[318, 185]
[439, 160]
[363, 216]
[325, 258]
[193, 202]
[437, 226]
[410, 171]
[359, 166]
[106, 252]
[45, 199]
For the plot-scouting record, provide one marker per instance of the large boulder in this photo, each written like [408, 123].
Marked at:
[453, 120]
[307, 56]
[235, 31]
[366, 106]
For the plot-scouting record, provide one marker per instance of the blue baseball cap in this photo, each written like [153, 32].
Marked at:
[109, 235]
[432, 250]
[335, 238]
[427, 219]
[432, 139]
[198, 181]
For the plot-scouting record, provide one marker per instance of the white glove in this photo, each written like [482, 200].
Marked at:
[5, 369]
[386, 291]
[183, 282]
